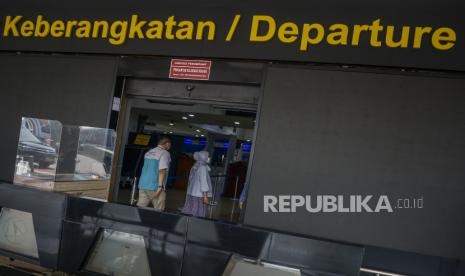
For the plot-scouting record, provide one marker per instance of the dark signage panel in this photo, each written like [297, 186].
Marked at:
[392, 33]
[366, 158]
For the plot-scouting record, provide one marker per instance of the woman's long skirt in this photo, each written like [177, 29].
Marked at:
[194, 206]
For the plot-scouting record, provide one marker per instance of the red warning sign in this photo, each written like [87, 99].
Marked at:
[190, 69]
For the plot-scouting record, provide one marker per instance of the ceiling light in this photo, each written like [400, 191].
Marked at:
[197, 135]
[184, 117]
[191, 115]
[171, 132]
[197, 130]
[248, 140]
[202, 135]
[237, 123]
[171, 124]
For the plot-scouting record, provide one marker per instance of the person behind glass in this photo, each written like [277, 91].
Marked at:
[152, 182]
[199, 187]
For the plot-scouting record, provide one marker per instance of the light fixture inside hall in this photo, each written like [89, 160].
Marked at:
[184, 117]
[191, 115]
[171, 123]
[248, 140]
[237, 123]
[201, 135]
[171, 132]
[197, 130]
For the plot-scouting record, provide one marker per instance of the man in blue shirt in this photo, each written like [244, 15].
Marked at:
[152, 182]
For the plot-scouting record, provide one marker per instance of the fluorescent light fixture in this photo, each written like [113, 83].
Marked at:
[237, 123]
[197, 130]
[184, 117]
[191, 115]
[171, 124]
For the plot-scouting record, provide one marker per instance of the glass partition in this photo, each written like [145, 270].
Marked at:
[85, 161]
[37, 153]
[86, 154]
[63, 158]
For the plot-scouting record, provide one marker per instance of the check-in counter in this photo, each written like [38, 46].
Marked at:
[31, 225]
[113, 239]
[102, 238]
[91, 237]
[214, 248]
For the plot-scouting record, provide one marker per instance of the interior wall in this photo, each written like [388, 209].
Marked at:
[352, 133]
[74, 90]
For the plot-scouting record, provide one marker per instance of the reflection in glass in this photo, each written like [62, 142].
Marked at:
[86, 153]
[85, 161]
[37, 154]
[17, 232]
[238, 266]
[118, 253]
[72, 159]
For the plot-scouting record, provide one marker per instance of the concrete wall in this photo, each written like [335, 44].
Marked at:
[354, 133]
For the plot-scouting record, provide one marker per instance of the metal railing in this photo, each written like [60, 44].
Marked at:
[133, 191]
[219, 180]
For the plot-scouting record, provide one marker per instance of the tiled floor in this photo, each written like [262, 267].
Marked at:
[226, 209]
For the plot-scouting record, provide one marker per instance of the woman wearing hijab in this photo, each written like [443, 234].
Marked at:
[199, 187]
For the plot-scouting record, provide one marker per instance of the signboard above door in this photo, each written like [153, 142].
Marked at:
[190, 69]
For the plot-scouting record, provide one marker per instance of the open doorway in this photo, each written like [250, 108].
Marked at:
[217, 118]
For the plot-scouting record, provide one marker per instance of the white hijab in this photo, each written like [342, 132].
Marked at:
[199, 177]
